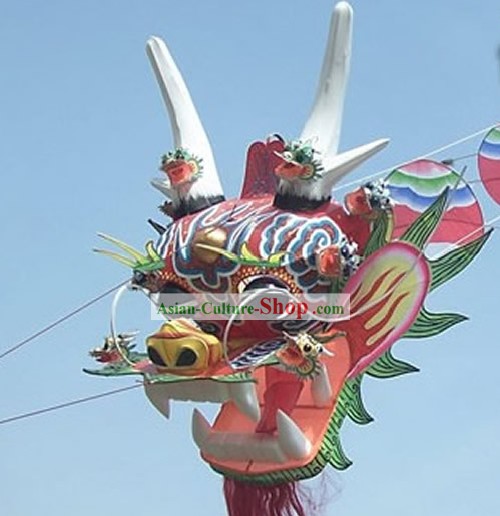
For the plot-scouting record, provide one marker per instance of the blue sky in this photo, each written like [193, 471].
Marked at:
[83, 126]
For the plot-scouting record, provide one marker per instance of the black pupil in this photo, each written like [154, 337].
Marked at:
[186, 358]
[264, 282]
[307, 348]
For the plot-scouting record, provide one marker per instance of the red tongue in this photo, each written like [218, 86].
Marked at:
[282, 392]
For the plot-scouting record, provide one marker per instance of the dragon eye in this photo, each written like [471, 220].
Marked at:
[307, 348]
[139, 278]
[263, 282]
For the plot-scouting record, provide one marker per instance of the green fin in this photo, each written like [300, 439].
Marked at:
[338, 459]
[421, 230]
[387, 366]
[356, 409]
[378, 237]
[454, 262]
[429, 324]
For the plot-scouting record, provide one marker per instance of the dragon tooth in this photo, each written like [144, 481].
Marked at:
[244, 396]
[157, 394]
[321, 388]
[200, 429]
[292, 441]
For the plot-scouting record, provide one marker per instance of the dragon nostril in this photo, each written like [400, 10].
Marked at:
[187, 358]
[155, 357]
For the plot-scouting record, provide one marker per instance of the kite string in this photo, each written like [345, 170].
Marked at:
[62, 319]
[423, 156]
[489, 223]
[66, 404]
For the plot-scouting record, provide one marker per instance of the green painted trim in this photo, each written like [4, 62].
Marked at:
[356, 410]
[388, 366]
[449, 265]
[429, 324]
[378, 237]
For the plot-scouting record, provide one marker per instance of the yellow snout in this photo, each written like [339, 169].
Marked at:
[183, 349]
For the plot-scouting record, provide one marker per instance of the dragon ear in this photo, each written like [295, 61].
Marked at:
[386, 295]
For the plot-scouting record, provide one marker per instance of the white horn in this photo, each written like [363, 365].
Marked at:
[188, 132]
[338, 166]
[324, 123]
[322, 129]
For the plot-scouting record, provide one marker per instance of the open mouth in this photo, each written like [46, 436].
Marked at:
[292, 170]
[179, 171]
[273, 418]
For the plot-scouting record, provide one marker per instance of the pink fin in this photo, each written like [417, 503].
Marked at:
[259, 172]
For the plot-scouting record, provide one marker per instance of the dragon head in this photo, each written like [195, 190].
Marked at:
[284, 390]
[181, 167]
[299, 161]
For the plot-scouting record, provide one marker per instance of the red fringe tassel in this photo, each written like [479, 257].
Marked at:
[248, 499]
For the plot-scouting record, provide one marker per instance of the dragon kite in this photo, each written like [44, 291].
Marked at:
[286, 387]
